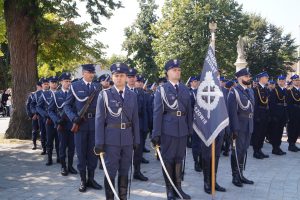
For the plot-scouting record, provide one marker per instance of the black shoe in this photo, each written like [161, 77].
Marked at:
[34, 147]
[235, 172]
[263, 154]
[138, 175]
[43, 153]
[91, 181]
[282, 152]
[122, 187]
[72, 170]
[145, 150]
[293, 148]
[297, 148]
[64, 171]
[178, 179]
[278, 152]
[108, 192]
[197, 167]
[258, 155]
[226, 153]
[49, 159]
[219, 188]
[144, 161]
[82, 187]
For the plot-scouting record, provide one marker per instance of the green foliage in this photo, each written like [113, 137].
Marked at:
[64, 45]
[183, 33]
[139, 38]
[268, 49]
[113, 59]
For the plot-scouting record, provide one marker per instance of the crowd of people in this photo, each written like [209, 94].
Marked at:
[6, 102]
[115, 114]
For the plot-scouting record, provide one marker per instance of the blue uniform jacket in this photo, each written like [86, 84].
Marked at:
[34, 101]
[74, 103]
[116, 136]
[240, 120]
[55, 109]
[169, 124]
[43, 103]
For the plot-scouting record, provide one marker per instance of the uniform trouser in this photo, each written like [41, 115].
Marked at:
[51, 137]
[118, 159]
[138, 153]
[293, 129]
[173, 148]
[196, 146]
[42, 124]
[242, 144]
[84, 144]
[66, 141]
[206, 151]
[35, 130]
[259, 133]
[276, 133]
[226, 140]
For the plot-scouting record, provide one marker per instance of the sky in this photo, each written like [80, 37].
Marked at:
[283, 13]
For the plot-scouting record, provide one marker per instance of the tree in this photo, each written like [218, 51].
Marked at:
[183, 33]
[268, 49]
[23, 22]
[139, 37]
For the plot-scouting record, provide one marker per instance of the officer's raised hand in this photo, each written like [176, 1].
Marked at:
[155, 140]
[99, 149]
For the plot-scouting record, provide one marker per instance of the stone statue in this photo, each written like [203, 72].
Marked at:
[240, 61]
[240, 48]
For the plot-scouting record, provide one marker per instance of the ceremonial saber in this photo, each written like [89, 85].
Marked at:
[236, 158]
[165, 170]
[145, 84]
[188, 81]
[107, 176]
[107, 78]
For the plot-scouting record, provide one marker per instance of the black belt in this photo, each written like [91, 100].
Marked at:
[90, 115]
[175, 113]
[281, 104]
[250, 115]
[120, 126]
[297, 106]
[264, 107]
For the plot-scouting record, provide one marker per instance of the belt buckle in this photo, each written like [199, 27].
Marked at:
[123, 126]
[178, 113]
[90, 115]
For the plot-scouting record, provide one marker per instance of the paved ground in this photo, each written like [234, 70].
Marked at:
[23, 175]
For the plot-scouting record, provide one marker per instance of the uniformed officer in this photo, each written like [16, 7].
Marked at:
[104, 80]
[172, 123]
[240, 110]
[261, 115]
[85, 137]
[63, 125]
[140, 83]
[196, 141]
[31, 114]
[142, 111]
[117, 129]
[227, 136]
[150, 105]
[41, 120]
[51, 132]
[278, 113]
[293, 101]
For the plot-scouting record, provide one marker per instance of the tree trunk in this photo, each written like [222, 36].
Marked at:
[22, 43]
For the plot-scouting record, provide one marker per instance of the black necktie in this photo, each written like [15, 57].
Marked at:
[176, 87]
[121, 95]
[89, 88]
[66, 93]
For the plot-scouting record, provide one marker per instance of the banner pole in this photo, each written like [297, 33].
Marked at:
[213, 174]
